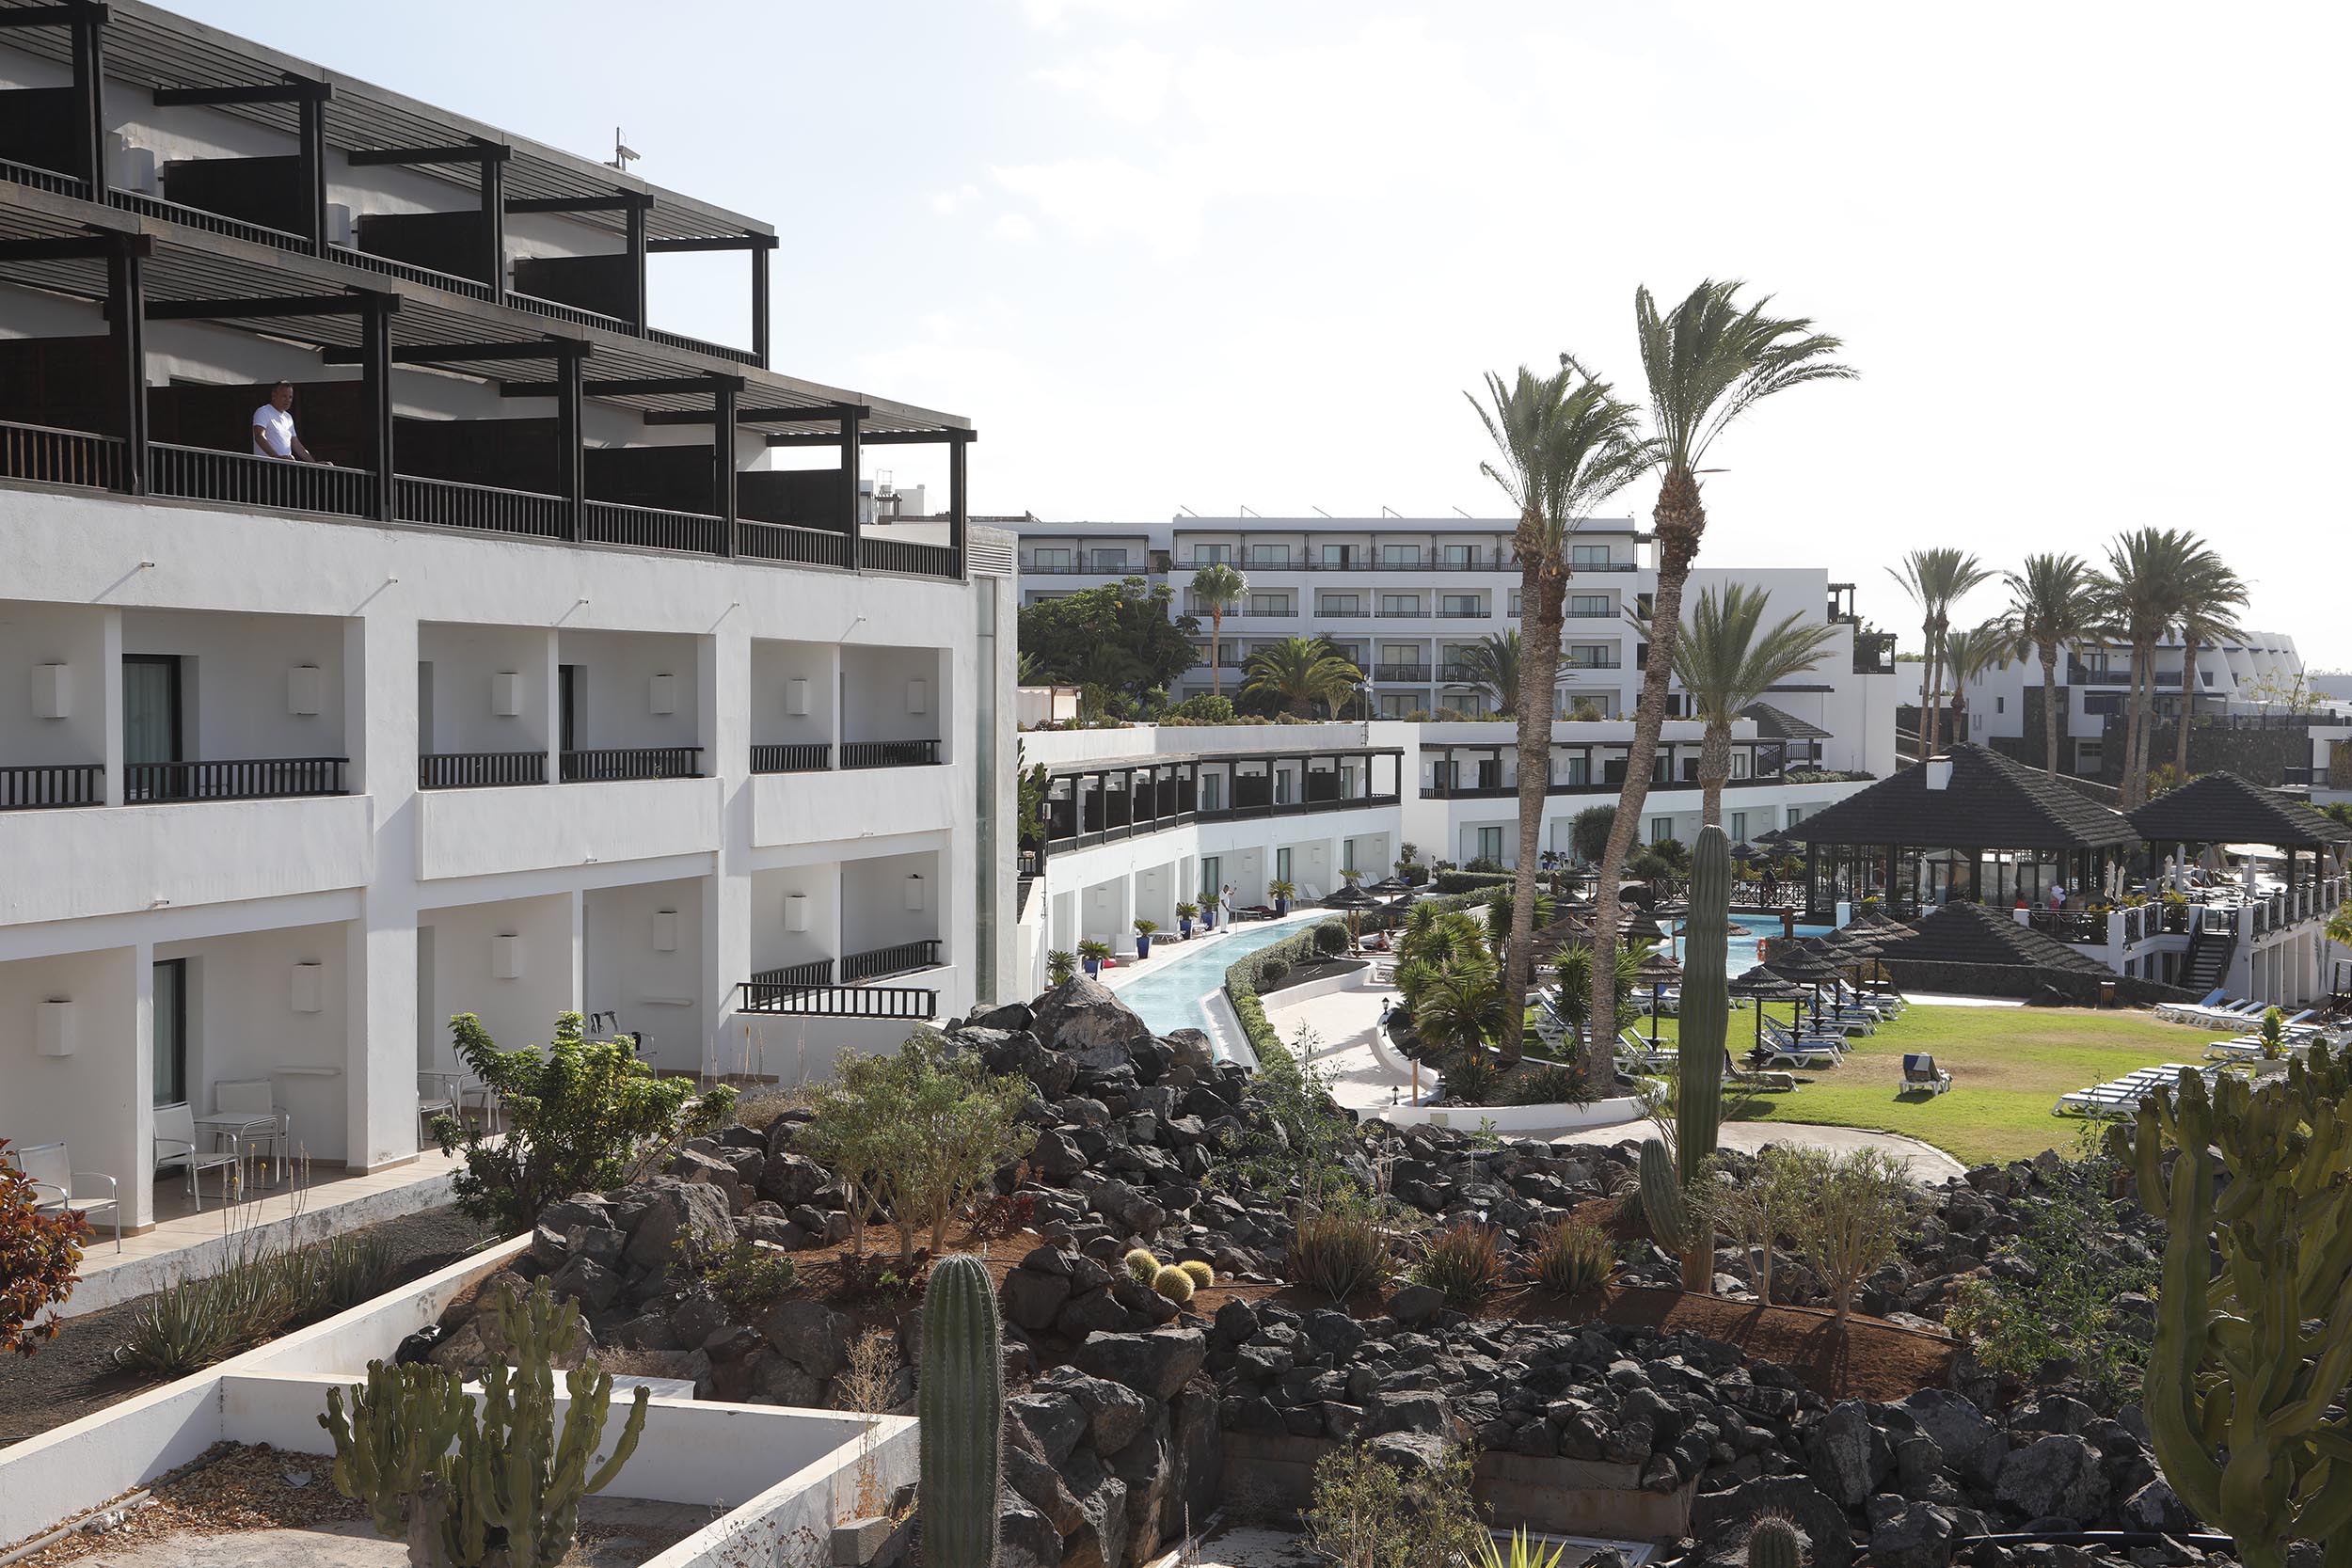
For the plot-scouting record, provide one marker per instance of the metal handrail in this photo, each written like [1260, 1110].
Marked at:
[899, 959]
[611, 764]
[813, 756]
[486, 508]
[480, 770]
[889, 754]
[242, 779]
[207, 473]
[906, 1001]
[33, 787]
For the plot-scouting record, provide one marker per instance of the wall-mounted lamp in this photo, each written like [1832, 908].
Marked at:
[665, 930]
[795, 697]
[665, 693]
[796, 911]
[506, 957]
[53, 1034]
[309, 988]
[915, 891]
[918, 696]
[305, 688]
[53, 692]
[506, 693]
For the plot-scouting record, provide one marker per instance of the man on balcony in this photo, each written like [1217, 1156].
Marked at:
[273, 427]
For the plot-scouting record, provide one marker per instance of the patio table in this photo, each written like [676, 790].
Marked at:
[238, 1131]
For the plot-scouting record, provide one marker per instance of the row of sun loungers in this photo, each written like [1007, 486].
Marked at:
[2120, 1099]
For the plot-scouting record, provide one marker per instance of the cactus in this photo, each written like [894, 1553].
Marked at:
[1773, 1542]
[1705, 1017]
[1143, 1265]
[1662, 1198]
[496, 1489]
[2249, 1358]
[961, 1403]
[1174, 1284]
[1201, 1275]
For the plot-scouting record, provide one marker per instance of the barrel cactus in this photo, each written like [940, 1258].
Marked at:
[961, 1401]
[1174, 1284]
[1662, 1198]
[1773, 1542]
[1143, 1265]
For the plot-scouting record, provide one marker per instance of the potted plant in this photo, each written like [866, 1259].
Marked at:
[1351, 875]
[1093, 955]
[1280, 890]
[1143, 937]
[1185, 915]
[1060, 964]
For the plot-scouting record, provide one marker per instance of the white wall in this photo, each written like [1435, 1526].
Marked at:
[465, 659]
[235, 672]
[874, 694]
[516, 1012]
[89, 1099]
[873, 901]
[657, 994]
[617, 670]
[772, 945]
[34, 635]
[775, 666]
[242, 1024]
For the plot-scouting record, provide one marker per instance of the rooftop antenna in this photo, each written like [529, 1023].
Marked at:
[1188, 511]
[1244, 511]
[623, 154]
[1465, 514]
[1319, 510]
[1387, 510]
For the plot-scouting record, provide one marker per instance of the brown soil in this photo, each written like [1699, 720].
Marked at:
[228, 1487]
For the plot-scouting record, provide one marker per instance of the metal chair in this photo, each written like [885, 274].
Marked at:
[437, 1096]
[176, 1148]
[50, 1169]
[246, 1113]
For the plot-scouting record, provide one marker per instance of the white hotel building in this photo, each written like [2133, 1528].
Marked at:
[556, 693]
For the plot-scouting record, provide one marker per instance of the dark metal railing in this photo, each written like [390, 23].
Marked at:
[900, 555]
[901, 958]
[211, 222]
[908, 1002]
[480, 770]
[579, 316]
[1497, 560]
[889, 754]
[42, 179]
[368, 261]
[815, 546]
[71, 784]
[817, 972]
[279, 485]
[2070, 926]
[717, 351]
[49, 457]
[650, 528]
[247, 779]
[613, 764]
[1400, 672]
[447, 503]
[813, 756]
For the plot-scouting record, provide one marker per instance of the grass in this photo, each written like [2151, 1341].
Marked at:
[2009, 1065]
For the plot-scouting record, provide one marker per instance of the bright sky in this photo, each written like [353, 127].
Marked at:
[1211, 253]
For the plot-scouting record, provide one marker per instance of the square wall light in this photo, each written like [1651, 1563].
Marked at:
[918, 696]
[795, 697]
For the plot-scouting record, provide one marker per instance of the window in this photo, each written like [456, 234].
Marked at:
[1400, 555]
[1212, 798]
[1458, 556]
[1283, 792]
[1585, 605]
[1211, 555]
[1393, 705]
[1577, 769]
[1050, 561]
[2000, 704]
[1335, 555]
[1515, 601]
[1738, 827]
[1590, 656]
[1282, 865]
[1110, 561]
[1269, 555]
[1400, 604]
[1491, 844]
[1461, 605]
[1342, 604]
[1347, 854]
[1587, 557]
[1661, 829]
[1211, 882]
[1269, 604]
[171, 1031]
[1742, 764]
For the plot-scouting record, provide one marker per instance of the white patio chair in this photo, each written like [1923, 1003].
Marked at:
[50, 1169]
[176, 1148]
[437, 1096]
[246, 1113]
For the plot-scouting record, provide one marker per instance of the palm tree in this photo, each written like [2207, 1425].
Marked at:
[1967, 653]
[1724, 664]
[2142, 589]
[1564, 443]
[1492, 664]
[2051, 608]
[1935, 580]
[1300, 671]
[1463, 1008]
[2210, 600]
[1217, 588]
[1708, 361]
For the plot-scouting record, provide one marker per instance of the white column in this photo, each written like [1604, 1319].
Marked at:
[723, 680]
[140, 1201]
[110, 707]
[575, 991]
[380, 1026]
[551, 682]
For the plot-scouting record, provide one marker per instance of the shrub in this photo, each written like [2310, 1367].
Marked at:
[1464, 1261]
[1300, 1141]
[2274, 1033]
[1202, 1275]
[1143, 1266]
[1571, 1256]
[40, 1261]
[1273, 972]
[1206, 708]
[340, 1273]
[1004, 1213]
[1471, 880]
[1759, 1211]
[1331, 939]
[1369, 1513]
[1471, 1078]
[1549, 1084]
[1174, 1284]
[752, 1278]
[264, 1285]
[1484, 864]
[582, 1116]
[1854, 1210]
[1588, 832]
[1060, 964]
[1339, 1248]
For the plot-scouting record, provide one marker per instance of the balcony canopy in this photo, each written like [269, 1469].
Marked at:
[1990, 802]
[2223, 808]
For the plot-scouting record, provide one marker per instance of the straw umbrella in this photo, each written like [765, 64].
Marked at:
[1762, 985]
[1657, 967]
[1808, 968]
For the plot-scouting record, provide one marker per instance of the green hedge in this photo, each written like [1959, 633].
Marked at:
[1471, 881]
[1244, 977]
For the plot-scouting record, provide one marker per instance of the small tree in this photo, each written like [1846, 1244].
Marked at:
[1369, 1513]
[2274, 1033]
[1060, 964]
[582, 1116]
[1854, 1214]
[40, 1261]
[1588, 832]
[1760, 1211]
[858, 1120]
[962, 1126]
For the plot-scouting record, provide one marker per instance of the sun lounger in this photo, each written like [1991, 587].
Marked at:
[1777, 1033]
[2181, 1012]
[2121, 1098]
[1819, 1054]
[1779, 1082]
[1922, 1076]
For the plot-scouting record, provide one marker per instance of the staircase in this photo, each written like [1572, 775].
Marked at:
[2207, 962]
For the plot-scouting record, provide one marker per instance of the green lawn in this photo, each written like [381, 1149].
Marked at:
[2009, 1065]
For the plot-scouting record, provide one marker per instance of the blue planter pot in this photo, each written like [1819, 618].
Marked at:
[1184, 928]
[1143, 947]
[1093, 968]
[1281, 906]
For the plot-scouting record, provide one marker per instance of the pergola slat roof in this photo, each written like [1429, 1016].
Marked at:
[1963, 933]
[1989, 803]
[2223, 808]
[1779, 724]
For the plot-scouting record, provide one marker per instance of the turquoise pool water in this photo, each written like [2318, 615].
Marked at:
[1745, 931]
[1173, 996]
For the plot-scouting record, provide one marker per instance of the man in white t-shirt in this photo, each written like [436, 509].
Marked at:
[273, 427]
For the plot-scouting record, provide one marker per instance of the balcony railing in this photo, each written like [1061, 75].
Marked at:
[1592, 664]
[907, 1002]
[446, 504]
[650, 528]
[49, 457]
[480, 770]
[1400, 672]
[1483, 561]
[211, 222]
[1333, 613]
[73, 783]
[813, 547]
[1463, 612]
[204, 473]
[900, 555]
[250, 779]
[813, 756]
[635, 762]
[889, 754]
[43, 179]
[901, 958]
[1414, 614]
[817, 972]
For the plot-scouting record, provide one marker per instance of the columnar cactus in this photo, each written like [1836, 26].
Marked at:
[1706, 1001]
[2248, 1360]
[1662, 1198]
[961, 1401]
[500, 1489]
[1773, 1542]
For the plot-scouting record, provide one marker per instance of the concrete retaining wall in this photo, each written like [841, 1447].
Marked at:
[1558, 1116]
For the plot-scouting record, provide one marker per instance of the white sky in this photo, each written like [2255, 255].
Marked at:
[1221, 252]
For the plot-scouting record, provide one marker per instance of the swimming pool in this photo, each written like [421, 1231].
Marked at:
[1745, 931]
[1175, 995]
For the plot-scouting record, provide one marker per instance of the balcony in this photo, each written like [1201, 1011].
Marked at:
[1592, 664]
[1400, 672]
[804, 757]
[1403, 614]
[913, 1003]
[70, 865]
[481, 770]
[1463, 612]
[252, 779]
[1332, 613]
[889, 754]
[878, 963]
[33, 788]
[616, 763]
[1482, 561]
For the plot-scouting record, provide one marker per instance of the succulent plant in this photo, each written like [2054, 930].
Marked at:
[1142, 1264]
[1662, 1198]
[1202, 1275]
[1705, 1017]
[1174, 1283]
[1773, 1542]
[961, 1401]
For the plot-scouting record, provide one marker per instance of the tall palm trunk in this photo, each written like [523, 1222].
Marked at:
[1216, 650]
[2049, 710]
[2188, 700]
[2135, 727]
[1714, 767]
[1542, 594]
[1680, 520]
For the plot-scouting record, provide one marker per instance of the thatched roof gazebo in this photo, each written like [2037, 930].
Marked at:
[2223, 808]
